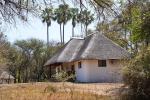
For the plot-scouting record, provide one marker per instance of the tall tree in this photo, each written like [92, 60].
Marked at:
[113, 31]
[134, 16]
[74, 14]
[85, 17]
[65, 16]
[58, 18]
[47, 16]
[4, 47]
[27, 57]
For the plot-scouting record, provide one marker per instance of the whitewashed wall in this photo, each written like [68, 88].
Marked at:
[90, 72]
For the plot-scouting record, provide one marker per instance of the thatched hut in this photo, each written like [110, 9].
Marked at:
[94, 58]
[5, 77]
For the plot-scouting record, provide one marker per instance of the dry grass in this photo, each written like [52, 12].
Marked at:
[57, 91]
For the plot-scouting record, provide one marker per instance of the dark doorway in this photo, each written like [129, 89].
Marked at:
[73, 69]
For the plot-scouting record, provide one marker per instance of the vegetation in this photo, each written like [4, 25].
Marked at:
[53, 91]
[137, 75]
[131, 31]
[4, 45]
[47, 16]
[129, 26]
[25, 59]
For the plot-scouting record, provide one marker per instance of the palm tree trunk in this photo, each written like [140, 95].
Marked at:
[47, 36]
[72, 31]
[81, 30]
[63, 33]
[86, 30]
[60, 34]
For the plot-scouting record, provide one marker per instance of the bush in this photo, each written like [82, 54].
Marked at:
[50, 89]
[137, 75]
[64, 76]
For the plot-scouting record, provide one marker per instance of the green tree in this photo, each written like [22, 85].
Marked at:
[27, 57]
[58, 18]
[74, 14]
[86, 18]
[4, 47]
[137, 75]
[64, 16]
[113, 31]
[47, 16]
[135, 22]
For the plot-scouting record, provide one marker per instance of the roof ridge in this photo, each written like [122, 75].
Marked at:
[78, 38]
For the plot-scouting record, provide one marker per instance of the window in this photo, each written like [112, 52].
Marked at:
[112, 61]
[79, 65]
[101, 63]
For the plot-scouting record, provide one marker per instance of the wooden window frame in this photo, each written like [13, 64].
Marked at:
[102, 63]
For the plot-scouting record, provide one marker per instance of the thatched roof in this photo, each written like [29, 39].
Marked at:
[5, 75]
[95, 46]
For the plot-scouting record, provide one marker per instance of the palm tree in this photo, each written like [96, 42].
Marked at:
[74, 13]
[57, 14]
[86, 18]
[64, 16]
[47, 16]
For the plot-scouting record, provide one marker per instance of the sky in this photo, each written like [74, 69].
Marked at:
[34, 28]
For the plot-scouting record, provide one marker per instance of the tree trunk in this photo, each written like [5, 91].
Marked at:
[47, 36]
[63, 33]
[60, 34]
[136, 47]
[81, 30]
[26, 78]
[86, 30]
[72, 31]
[146, 43]
[19, 75]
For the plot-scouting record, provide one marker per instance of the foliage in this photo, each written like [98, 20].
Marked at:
[20, 8]
[135, 20]
[50, 88]
[86, 18]
[63, 15]
[12, 9]
[64, 76]
[26, 59]
[4, 47]
[112, 31]
[47, 16]
[137, 75]
[74, 14]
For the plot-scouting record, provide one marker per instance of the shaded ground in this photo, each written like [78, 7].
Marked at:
[59, 91]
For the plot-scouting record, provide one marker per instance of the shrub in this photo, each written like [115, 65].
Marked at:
[50, 89]
[64, 76]
[137, 75]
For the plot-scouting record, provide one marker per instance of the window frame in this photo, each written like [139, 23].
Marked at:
[102, 63]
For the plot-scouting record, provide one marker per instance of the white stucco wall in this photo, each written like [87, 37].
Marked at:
[90, 72]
